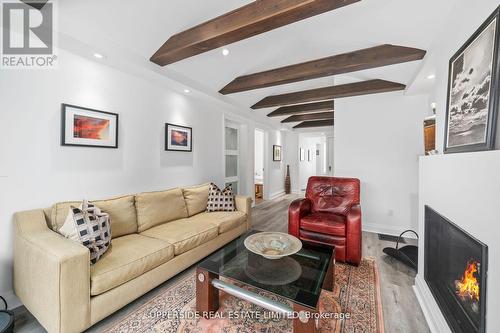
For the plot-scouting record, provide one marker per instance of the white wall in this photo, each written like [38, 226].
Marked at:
[378, 139]
[39, 172]
[35, 171]
[259, 155]
[470, 15]
[291, 158]
[465, 188]
[308, 142]
[275, 172]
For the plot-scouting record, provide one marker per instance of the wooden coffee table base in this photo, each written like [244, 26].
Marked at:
[207, 303]
[207, 296]
[304, 324]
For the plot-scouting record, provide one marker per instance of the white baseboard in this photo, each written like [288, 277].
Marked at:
[11, 299]
[387, 229]
[432, 313]
[276, 194]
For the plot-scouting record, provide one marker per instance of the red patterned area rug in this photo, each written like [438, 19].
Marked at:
[354, 307]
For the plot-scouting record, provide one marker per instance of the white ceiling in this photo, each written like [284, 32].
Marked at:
[129, 32]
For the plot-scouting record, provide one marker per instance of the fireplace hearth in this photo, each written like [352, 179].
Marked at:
[456, 266]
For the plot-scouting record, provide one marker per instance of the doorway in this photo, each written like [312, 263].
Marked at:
[259, 165]
[321, 159]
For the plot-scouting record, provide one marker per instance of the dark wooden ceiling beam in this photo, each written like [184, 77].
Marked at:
[310, 116]
[321, 94]
[378, 56]
[315, 123]
[302, 109]
[255, 18]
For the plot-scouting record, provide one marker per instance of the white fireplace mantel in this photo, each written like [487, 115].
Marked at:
[464, 188]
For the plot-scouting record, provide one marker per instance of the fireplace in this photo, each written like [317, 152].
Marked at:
[456, 266]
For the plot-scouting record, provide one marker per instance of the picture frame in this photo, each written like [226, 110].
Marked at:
[302, 154]
[277, 153]
[472, 96]
[85, 127]
[178, 138]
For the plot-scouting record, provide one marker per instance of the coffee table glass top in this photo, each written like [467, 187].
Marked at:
[298, 277]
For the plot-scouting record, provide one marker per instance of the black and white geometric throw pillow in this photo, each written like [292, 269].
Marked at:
[220, 201]
[90, 227]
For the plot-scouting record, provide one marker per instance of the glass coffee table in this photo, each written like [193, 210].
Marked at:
[298, 278]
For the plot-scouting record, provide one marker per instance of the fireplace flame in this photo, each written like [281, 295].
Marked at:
[468, 285]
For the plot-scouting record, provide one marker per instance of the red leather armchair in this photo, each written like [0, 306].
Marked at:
[329, 215]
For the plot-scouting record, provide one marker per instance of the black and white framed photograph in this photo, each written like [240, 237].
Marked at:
[302, 154]
[276, 153]
[178, 138]
[88, 127]
[473, 96]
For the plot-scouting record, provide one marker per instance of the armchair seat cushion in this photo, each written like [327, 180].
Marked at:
[325, 223]
[129, 257]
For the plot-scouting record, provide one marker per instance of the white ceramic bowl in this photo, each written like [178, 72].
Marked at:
[273, 245]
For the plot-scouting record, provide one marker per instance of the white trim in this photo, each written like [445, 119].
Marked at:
[432, 313]
[276, 194]
[387, 229]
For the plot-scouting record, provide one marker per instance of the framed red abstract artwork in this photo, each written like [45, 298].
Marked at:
[88, 128]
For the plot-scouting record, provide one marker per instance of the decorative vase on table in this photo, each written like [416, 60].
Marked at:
[288, 187]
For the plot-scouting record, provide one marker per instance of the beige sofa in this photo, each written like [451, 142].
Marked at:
[155, 236]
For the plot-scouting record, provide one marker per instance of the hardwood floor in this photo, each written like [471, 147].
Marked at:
[402, 313]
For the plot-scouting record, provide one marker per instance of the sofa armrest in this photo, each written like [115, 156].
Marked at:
[244, 204]
[51, 274]
[354, 235]
[298, 208]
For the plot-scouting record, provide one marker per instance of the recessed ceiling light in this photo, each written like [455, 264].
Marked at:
[431, 76]
[98, 56]
[225, 52]
[187, 91]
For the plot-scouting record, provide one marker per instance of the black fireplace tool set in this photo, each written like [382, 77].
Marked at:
[407, 254]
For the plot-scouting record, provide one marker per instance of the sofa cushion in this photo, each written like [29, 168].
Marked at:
[121, 211]
[225, 221]
[196, 198]
[185, 234]
[129, 257]
[324, 223]
[155, 208]
[59, 212]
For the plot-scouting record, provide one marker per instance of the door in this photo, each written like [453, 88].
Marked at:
[329, 150]
[259, 159]
[232, 155]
